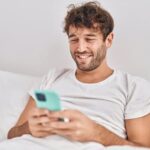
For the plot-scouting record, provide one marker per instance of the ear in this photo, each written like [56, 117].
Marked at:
[109, 40]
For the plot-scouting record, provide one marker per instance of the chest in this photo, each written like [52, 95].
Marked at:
[100, 99]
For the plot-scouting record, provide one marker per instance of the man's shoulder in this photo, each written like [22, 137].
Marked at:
[52, 75]
[132, 79]
[56, 73]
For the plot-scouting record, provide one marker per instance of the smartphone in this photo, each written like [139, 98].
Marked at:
[47, 99]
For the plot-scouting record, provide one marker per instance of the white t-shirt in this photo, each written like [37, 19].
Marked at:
[121, 96]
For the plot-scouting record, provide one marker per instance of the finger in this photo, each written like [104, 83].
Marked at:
[36, 112]
[40, 128]
[71, 114]
[59, 114]
[39, 120]
[41, 134]
[61, 125]
[46, 128]
[65, 133]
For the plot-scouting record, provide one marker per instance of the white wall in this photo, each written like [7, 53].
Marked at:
[32, 41]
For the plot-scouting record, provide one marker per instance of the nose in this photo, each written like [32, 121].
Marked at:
[81, 46]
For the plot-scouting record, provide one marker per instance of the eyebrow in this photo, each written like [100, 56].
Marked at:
[87, 35]
[71, 35]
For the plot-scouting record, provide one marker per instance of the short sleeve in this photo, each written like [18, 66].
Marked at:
[138, 103]
[44, 83]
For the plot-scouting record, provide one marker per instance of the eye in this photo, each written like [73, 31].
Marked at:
[90, 40]
[73, 40]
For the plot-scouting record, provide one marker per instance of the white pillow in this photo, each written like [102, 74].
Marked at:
[13, 98]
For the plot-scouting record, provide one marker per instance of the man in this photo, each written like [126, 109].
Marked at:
[103, 105]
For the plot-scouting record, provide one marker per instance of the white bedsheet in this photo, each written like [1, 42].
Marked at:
[126, 148]
[28, 142]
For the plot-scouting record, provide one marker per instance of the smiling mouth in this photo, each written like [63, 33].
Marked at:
[83, 56]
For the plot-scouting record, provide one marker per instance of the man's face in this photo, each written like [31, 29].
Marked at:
[87, 48]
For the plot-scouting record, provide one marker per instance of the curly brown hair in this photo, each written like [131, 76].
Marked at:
[89, 15]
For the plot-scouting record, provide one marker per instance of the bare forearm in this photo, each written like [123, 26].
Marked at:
[18, 131]
[108, 138]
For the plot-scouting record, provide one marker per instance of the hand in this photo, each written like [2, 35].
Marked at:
[39, 122]
[79, 128]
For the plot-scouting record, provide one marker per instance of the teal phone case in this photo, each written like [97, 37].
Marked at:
[47, 99]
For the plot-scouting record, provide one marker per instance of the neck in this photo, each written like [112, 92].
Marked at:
[97, 75]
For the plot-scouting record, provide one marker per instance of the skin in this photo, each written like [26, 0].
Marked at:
[88, 49]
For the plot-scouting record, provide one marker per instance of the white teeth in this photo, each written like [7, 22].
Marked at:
[83, 56]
